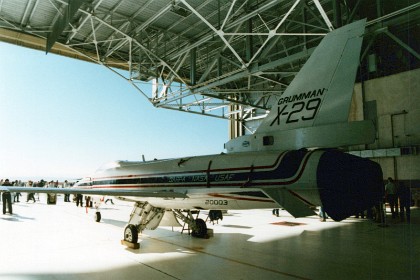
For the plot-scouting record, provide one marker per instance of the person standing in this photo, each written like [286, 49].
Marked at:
[404, 194]
[79, 200]
[66, 195]
[322, 214]
[40, 184]
[7, 198]
[30, 195]
[391, 196]
[17, 194]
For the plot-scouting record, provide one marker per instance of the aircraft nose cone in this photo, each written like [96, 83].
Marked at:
[348, 184]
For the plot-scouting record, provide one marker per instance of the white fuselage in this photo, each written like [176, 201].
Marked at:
[226, 181]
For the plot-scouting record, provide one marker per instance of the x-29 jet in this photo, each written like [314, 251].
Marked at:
[288, 162]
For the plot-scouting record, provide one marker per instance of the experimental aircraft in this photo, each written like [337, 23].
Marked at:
[289, 162]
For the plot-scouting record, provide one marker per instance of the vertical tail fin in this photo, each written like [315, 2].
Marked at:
[321, 92]
[313, 111]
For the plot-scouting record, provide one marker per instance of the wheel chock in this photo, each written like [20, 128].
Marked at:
[130, 245]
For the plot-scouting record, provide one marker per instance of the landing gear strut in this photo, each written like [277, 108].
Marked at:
[198, 226]
[143, 216]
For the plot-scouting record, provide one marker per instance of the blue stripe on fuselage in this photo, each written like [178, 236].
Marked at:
[287, 167]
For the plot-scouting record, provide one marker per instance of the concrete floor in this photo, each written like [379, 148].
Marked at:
[41, 241]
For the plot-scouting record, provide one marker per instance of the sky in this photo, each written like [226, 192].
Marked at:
[61, 118]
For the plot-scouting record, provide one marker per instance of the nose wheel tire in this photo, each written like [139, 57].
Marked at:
[97, 217]
[131, 234]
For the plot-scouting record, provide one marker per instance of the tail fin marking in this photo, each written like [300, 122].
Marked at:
[321, 92]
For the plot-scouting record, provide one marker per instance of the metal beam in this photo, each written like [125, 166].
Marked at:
[62, 22]
[402, 44]
[323, 14]
[242, 74]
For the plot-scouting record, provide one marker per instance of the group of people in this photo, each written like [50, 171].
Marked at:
[395, 195]
[6, 197]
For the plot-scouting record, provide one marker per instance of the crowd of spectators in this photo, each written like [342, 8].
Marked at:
[7, 197]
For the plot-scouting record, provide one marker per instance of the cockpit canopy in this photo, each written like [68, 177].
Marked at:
[110, 165]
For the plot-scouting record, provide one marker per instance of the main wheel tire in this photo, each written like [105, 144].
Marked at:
[131, 234]
[98, 217]
[200, 228]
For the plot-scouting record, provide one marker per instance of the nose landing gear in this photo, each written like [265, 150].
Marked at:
[131, 234]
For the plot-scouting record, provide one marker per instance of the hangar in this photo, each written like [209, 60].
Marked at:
[225, 59]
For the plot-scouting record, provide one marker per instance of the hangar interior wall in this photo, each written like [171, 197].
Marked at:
[393, 103]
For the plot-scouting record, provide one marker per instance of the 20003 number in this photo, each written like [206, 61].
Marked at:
[216, 202]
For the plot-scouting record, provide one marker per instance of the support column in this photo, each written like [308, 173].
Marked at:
[338, 20]
[193, 61]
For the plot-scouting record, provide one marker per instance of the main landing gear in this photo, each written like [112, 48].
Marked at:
[198, 226]
[145, 216]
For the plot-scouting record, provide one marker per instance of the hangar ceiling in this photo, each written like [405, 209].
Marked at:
[219, 58]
